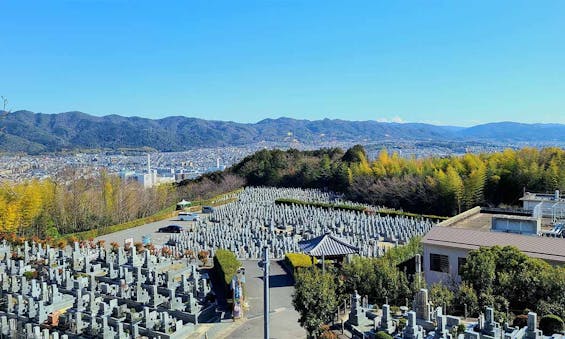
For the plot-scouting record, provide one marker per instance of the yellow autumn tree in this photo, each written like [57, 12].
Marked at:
[3, 212]
[31, 203]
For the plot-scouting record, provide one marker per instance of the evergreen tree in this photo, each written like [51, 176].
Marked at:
[315, 298]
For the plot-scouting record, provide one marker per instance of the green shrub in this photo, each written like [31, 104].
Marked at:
[52, 232]
[30, 275]
[400, 254]
[554, 307]
[296, 260]
[466, 295]
[226, 264]
[402, 323]
[551, 324]
[383, 335]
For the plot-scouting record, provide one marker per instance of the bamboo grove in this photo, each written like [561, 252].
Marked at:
[51, 208]
[434, 185]
[67, 205]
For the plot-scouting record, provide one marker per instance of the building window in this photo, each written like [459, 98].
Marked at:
[460, 263]
[439, 263]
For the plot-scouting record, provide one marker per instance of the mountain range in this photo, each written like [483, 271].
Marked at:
[24, 131]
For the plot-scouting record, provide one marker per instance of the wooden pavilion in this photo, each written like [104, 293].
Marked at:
[327, 246]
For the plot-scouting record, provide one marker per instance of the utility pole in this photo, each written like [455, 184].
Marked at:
[265, 265]
[418, 269]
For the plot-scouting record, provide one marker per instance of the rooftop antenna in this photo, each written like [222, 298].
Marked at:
[4, 113]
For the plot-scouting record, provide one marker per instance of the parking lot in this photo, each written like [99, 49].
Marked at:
[147, 230]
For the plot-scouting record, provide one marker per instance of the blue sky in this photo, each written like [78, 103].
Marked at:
[444, 62]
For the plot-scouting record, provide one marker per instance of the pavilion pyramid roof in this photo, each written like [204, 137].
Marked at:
[327, 245]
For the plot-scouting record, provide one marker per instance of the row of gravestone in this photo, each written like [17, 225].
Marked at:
[422, 323]
[96, 291]
[255, 221]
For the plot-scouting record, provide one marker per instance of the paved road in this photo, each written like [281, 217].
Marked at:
[148, 229]
[284, 319]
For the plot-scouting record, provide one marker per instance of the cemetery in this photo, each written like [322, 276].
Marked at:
[255, 220]
[90, 291]
[423, 321]
[381, 313]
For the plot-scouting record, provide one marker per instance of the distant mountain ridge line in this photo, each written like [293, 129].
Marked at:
[25, 131]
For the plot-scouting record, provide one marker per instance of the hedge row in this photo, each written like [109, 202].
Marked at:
[226, 264]
[325, 205]
[408, 214]
[345, 207]
[296, 260]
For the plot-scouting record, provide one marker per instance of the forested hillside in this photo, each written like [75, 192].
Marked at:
[441, 186]
[29, 132]
[24, 131]
[437, 186]
[53, 208]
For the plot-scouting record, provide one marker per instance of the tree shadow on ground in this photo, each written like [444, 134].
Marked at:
[279, 280]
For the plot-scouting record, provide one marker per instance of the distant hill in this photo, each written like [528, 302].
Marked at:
[25, 131]
[513, 131]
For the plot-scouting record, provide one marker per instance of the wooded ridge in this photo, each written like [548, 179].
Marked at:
[24, 131]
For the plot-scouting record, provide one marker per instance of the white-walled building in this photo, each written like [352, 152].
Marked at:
[147, 180]
[545, 205]
[446, 245]
[125, 174]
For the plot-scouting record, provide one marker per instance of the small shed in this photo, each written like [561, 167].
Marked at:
[183, 204]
